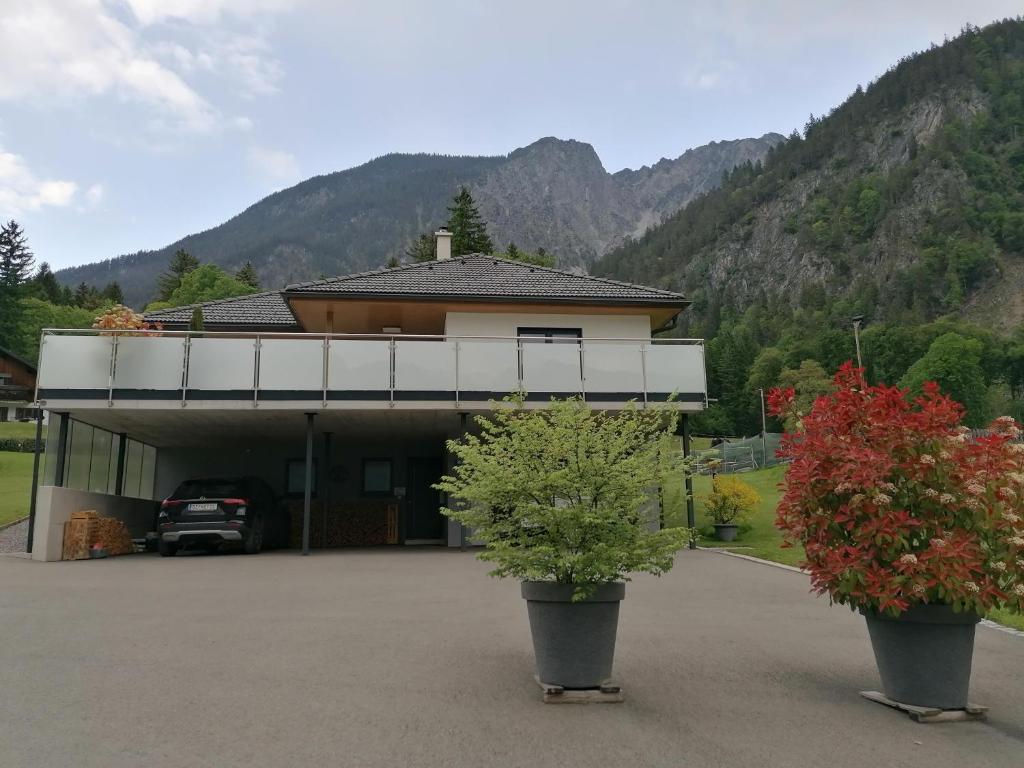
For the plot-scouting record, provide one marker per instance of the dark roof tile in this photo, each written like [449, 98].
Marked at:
[257, 309]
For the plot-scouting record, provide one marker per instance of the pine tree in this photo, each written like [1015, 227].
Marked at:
[469, 230]
[422, 249]
[512, 254]
[181, 264]
[113, 293]
[15, 270]
[247, 274]
[87, 297]
[46, 287]
[196, 323]
[393, 262]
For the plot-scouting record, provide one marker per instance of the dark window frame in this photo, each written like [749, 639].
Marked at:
[527, 333]
[391, 477]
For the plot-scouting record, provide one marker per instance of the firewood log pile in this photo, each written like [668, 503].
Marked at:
[346, 524]
[87, 528]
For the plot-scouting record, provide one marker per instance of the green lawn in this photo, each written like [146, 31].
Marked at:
[763, 540]
[15, 485]
[19, 429]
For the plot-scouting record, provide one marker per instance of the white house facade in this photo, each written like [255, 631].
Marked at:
[355, 382]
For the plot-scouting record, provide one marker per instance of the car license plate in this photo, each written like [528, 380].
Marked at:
[203, 507]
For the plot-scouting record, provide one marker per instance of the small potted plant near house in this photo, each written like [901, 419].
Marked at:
[905, 517]
[729, 505]
[560, 497]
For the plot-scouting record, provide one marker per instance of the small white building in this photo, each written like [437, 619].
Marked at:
[363, 377]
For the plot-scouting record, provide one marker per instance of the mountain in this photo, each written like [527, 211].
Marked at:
[905, 203]
[553, 194]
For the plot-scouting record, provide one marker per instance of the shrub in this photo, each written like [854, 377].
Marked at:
[730, 501]
[20, 444]
[895, 504]
[557, 494]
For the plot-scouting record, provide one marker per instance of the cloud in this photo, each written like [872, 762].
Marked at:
[66, 50]
[21, 191]
[273, 165]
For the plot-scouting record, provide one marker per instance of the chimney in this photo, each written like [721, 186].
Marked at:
[443, 239]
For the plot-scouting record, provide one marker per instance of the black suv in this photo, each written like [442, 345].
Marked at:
[213, 511]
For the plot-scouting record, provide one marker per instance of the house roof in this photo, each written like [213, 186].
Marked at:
[18, 358]
[483, 277]
[475, 277]
[257, 309]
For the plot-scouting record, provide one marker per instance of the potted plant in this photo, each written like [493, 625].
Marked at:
[558, 496]
[906, 517]
[729, 505]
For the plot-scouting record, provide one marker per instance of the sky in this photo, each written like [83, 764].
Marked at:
[127, 124]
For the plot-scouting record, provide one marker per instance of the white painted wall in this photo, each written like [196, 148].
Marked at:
[508, 323]
[54, 507]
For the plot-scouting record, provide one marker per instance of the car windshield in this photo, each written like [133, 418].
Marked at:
[210, 489]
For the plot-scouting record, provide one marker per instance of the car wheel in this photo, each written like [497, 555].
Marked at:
[254, 541]
[167, 549]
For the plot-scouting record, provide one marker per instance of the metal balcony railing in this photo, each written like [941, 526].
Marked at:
[205, 367]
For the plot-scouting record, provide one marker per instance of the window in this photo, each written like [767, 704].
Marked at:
[295, 478]
[551, 335]
[377, 477]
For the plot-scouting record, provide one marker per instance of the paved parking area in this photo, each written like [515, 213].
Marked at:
[417, 658]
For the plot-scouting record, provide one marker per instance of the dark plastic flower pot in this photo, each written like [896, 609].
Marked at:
[924, 655]
[726, 531]
[574, 643]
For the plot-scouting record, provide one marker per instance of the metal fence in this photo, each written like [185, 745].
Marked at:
[743, 453]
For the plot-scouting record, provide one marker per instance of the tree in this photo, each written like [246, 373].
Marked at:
[538, 259]
[196, 323]
[954, 363]
[45, 285]
[34, 314]
[393, 262]
[180, 265]
[205, 283]
[87, 297]
[809, 382]
[247, 274]
[469, 230]
[15, 269]
[112, 292]
[422, 249]
[557, 494]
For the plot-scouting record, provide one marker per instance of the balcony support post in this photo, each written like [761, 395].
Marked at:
[35, 478]
[122, 451]
[691, 518]
[307, 494]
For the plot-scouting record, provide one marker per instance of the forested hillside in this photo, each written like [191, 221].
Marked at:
[553, 194]
[905, 205]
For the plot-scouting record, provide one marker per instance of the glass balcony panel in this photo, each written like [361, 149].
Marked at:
[75, 362]
[487, 366]
[425, 366]
[149, 362]
[675, 368]
[359, 365]
[296, 364]
[551, 368]
[221, 364]
[613, 367]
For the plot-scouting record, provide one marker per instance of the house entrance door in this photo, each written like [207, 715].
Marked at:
[423, 503]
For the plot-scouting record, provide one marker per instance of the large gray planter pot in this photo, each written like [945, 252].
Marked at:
[924, 655]
[726, 531]
[574, 643]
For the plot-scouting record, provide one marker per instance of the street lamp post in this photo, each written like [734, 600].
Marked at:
[857, 322]
[764, 432]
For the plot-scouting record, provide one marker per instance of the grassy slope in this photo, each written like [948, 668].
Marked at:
[19, 429]
[15, 485]
[763, 540]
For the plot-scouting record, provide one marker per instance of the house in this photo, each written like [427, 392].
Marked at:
[357, 380]
[17, 387]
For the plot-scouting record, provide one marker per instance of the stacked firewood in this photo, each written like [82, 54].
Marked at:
[87, 529]
[346, 524]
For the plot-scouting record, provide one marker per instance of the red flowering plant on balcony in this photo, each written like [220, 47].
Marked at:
[895, 503]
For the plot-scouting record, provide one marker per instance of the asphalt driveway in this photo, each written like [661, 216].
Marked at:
[416, 658]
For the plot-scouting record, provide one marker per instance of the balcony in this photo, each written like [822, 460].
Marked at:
[212, 370]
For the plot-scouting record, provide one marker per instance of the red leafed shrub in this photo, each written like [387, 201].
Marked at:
[122, 318]
[895, 503]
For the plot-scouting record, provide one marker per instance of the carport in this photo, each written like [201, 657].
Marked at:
[356, 463]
